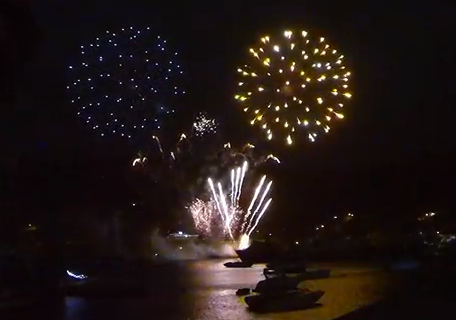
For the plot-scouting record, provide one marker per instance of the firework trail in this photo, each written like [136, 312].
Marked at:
[259, 210]
[237, 223]
[184, 164]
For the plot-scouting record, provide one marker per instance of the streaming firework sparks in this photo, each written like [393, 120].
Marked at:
[169, 156]
[246, 152]
[189, 156]
[236, 222]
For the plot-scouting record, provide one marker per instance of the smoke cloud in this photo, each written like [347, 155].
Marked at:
[166, 249]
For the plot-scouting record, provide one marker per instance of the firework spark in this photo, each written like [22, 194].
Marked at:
[139, 161]
[126, 83]
[236, 222]
[204, 125]
[181, 164]
[203, 214]
[247, 153]
[293, 81]
[203, 156]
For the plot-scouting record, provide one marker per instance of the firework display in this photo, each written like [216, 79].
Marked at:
[225, 207]
[125, 83]
[185, 161]
[189, 159]
[197, 169]
[293, 81]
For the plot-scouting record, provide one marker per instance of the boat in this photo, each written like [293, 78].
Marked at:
[238, 264]
[264, 252]
[307, 275]
[99, 284]
[279, 283]
[258, 252]
[243, 291]
[284, 301]
[76, 276]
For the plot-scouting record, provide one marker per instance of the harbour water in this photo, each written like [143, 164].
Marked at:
[205, 290]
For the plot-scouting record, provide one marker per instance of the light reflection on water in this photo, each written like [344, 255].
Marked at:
[206, 290]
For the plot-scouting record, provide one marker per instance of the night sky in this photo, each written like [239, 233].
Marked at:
[393, 153]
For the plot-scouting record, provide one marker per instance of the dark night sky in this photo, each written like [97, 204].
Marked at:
[396, 147]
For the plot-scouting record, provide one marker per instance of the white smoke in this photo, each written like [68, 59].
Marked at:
[165, 249]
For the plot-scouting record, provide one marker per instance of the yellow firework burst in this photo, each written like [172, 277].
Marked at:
[292, 81]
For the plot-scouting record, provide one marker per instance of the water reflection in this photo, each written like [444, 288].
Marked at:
[206, 290]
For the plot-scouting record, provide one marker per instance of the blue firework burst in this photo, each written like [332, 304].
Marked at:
[125, 83]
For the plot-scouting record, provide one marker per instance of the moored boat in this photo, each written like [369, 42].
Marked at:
[238, 264]
[307, 275]
[284, 301]
[280, 283]
[243, 291]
